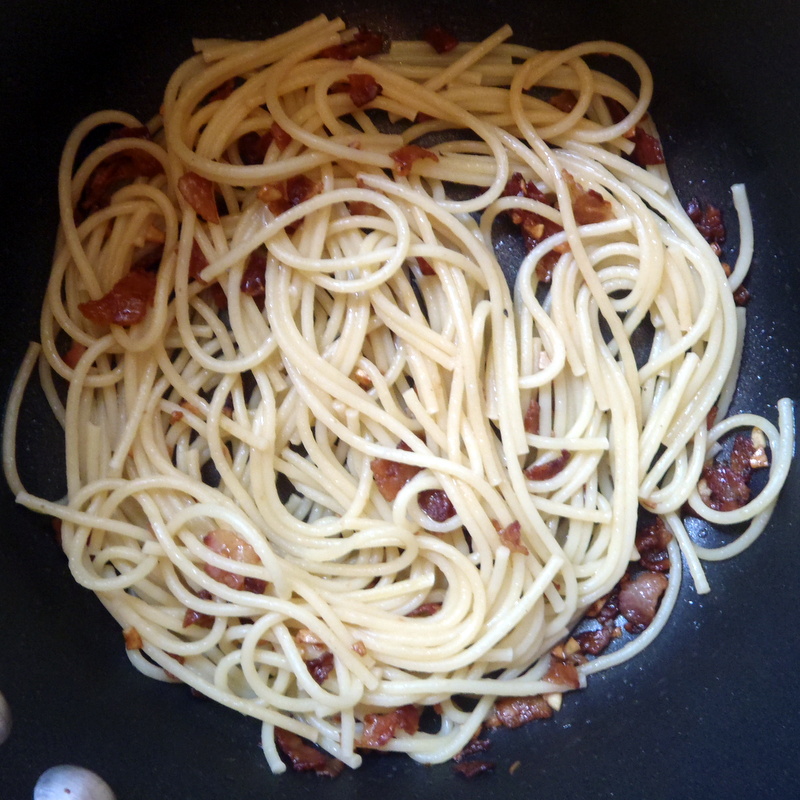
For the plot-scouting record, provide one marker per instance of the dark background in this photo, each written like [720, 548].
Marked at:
[710, 710]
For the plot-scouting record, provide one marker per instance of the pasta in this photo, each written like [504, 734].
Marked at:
[323, 462]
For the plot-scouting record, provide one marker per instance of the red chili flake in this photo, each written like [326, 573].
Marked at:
[126, 303]
[199, 194]
[647, 150]
[405, 156]
[321, 667]
[363, 88]
[304, 757]
[425, 610]
[708, 220]
[391, 476]
[542, 472]
[564, 101]
[192, 617]
[436, 504]
[471, 769]
[531, 421]
[365, 43]
[441, 40]
[197, 261]
[254, 279]
[380, 728]
[510, 536]
[513, 712]
[425, 267]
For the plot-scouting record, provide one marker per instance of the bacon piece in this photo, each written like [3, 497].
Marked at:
[711, 417]
[595, 641]
[638, 599]
[531, 421]
[197, 261]
[280, 137]
[126, 303]
[647, 149]
[148, 259]
[321, 667]
[513, 712]
[652, 539]
[425, 610]
[361, 208]
[543, 472]
[222, 92]
[133, 639]
[365, 43]
[300, 188]
[707, 220]
[363, 88]
[254, 279]
[199, 194]
[441, 40]
[380, 728]
[564, 101]
[474, 747]
[74, 354]
[405, 156]
[304, 757]
[192, 617]
[562, 674]
[436, 504]
[228, 544]
[392, 476]
[510, 536]
[606, 608]
[590, 207]
[424, 266]
[725, 489]
[253, 147]
[471, 769]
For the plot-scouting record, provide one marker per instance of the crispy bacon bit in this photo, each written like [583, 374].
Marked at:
[392, 476]
[638, 599]
[510, 536]
[254, 279]
[365, 43]
[513, 712]
[564, 101]
[380, 728]
[595, 641]
[647, 149]
[562, 673]
[148, 259]
[133, 639]
[280, 137]
[606, 608]
[436, 504]
[588, 206]
[304, 757]
[543, 472]
[531, 421]
[566, 650]
[441, 40]
[229, 545]
[199, 194]
[722, 488]
[707, 220]
[405, 157]
[425, 266]
[309, 644]
[652, 539]
[197, 261]
[363, 88]
[321, 667]
[125, 303]
[73, 355]
[300, 188]
[471, 769]
[474, 747]
[741, 296]
[253, 147]
[192, 617]
[425, 610]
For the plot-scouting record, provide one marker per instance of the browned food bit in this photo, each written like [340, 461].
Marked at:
[513, 712]
[588, 206]
[280, 137]
[192, 617]
[471, 769]
[510, 536]
[652, 539]
[321, 667]
[304, 757]
[741, 296]
[363, 88]
[133, 639]
[74, 354]
[474, 747]
[253, 146]
[436, 504]
[639, 598]
[228, 544]
[425, 610]
[222, 92]
[197, 262]
[708, 220]
[424, 266]
[593, 642]
[199, 194]
[405, 157]
[441, 40]
[380, 728]
[126, 303]
[300, 188]
[254, 278]
[647, 149]
[562, 673]
[364, 43]
[726, 487]
[531, 420]
[548, 469]
[391, 476]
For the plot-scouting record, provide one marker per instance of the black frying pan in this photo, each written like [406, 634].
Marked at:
[710, 710]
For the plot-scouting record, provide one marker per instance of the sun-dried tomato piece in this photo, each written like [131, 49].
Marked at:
[441, 40]
[199, 194]
[405, 156]
[363, 88]
[126, 303]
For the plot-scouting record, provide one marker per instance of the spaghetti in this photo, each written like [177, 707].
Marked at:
[323, 464]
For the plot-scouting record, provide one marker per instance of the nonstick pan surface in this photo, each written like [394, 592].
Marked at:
[710, 710]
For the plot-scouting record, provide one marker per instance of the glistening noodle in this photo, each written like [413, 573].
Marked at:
[324, 464]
